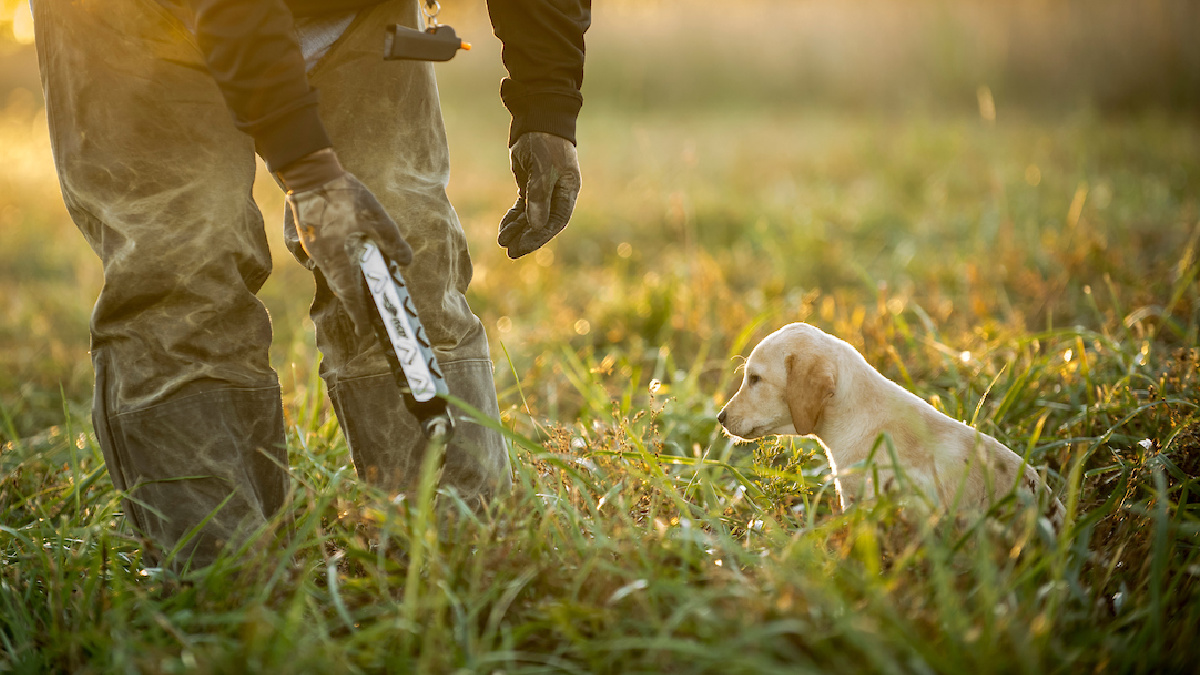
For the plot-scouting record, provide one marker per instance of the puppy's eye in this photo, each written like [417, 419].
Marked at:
[754, 379]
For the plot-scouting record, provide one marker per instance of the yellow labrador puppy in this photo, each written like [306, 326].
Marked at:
[801, 380]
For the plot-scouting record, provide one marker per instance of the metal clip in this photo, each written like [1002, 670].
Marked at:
[431, 9]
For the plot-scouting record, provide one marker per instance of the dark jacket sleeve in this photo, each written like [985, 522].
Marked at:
[543, 51]
[251, 52]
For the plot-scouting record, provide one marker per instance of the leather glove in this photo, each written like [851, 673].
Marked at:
[331, 215]
[547, 171]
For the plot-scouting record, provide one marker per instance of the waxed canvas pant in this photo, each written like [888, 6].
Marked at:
[187, 408]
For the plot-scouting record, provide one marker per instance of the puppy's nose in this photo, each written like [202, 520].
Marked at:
[721, 417]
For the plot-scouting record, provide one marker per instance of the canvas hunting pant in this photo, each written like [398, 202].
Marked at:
[187, 407]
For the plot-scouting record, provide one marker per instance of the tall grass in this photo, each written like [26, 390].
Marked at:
[1034, 272]
[617, 554]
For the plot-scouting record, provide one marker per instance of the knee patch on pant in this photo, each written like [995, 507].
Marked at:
[217, 456]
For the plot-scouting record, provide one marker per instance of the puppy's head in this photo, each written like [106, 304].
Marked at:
[787, 382]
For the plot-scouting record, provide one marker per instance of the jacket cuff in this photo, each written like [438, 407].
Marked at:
[552, 113]
[290, 135]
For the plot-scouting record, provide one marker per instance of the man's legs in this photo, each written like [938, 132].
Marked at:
[386, 124]
[153, 172]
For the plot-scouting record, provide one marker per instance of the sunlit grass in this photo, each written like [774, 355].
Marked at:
[1036, 274]
[620, 550]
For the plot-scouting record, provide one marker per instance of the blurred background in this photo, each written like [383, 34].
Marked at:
[746, 163]
[1111, 54]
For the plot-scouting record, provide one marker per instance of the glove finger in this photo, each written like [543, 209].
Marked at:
[520, 160]
[513, 224]
[532, 241]
[561, 208]
[380, 227]
[538, 192]
[346, 283]
[391, 243]
[361, 319]
[291, 239]
[512, 232]
[513, 245]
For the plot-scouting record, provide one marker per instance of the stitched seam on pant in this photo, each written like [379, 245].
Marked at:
[467, 362]
[194, 395]
[443, 364]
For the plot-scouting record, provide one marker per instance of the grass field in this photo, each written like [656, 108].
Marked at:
[1030, 268]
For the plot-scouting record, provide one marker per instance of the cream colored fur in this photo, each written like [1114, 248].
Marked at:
[801, 380]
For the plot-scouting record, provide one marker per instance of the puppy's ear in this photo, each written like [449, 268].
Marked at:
[810, 383]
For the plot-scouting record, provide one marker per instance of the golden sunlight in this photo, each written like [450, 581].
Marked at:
[22, 24]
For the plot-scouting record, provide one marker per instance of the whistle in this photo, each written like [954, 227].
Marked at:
[437, 43]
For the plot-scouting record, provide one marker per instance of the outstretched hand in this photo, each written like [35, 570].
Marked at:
[547, 171]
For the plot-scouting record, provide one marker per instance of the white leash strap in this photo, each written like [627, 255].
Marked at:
[404, 329]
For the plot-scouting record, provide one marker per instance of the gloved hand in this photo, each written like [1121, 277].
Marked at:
[332, 214]
[547, 171]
